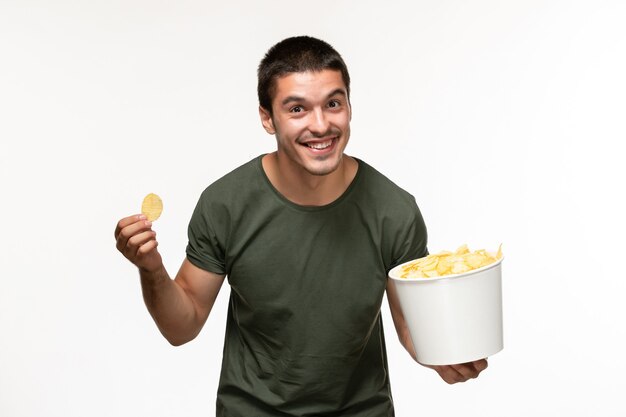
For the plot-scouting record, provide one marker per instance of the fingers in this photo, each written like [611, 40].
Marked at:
[136, 240]
[132, 233]
[147, 247]
[480, 365]
[466, 371]
[461, 372]
[127, 221]
[450, 374]
[135, 245]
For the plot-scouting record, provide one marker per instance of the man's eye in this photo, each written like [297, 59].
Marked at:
[296, 109]
[333, 103]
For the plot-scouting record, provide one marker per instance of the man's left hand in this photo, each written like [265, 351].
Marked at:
[460, 372]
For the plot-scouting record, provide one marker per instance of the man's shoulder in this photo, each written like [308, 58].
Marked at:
[236, 182]
[380, 187]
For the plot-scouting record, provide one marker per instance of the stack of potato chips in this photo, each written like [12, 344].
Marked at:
[449, 263]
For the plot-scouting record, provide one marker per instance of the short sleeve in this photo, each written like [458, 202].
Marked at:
[204, 249]
[412, 239]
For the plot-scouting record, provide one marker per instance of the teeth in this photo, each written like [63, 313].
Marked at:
[320, 145]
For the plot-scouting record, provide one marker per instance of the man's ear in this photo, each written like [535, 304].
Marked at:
[266, 121]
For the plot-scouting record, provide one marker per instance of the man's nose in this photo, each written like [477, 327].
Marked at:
[319, 122]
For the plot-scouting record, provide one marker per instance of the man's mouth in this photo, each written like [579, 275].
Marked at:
[319, 145]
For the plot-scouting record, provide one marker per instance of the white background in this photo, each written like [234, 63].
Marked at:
[505, 119]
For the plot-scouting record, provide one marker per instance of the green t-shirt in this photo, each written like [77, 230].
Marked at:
[304, 334]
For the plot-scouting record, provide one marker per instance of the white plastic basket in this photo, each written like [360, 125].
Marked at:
[455, 318]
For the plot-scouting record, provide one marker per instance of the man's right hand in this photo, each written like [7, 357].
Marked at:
[137, 242]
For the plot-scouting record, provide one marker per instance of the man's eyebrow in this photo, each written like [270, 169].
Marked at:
[292, 98]
[289, 99]
[337, 91]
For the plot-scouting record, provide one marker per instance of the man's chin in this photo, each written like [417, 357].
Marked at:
[324, 168]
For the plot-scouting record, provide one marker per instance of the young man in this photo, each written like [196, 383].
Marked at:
[306, 236]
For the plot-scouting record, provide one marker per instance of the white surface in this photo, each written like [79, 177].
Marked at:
[453, 319]
[504, 119]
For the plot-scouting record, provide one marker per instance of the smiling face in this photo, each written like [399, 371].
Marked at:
[311, 121]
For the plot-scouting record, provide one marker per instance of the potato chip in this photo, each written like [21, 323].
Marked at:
[152, 207]
[449, 263]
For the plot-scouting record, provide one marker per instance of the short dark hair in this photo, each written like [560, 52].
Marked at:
[296, 54]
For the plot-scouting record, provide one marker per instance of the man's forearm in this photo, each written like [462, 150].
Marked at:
[170, 307]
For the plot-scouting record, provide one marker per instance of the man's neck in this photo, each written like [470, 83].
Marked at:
[305, 189]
